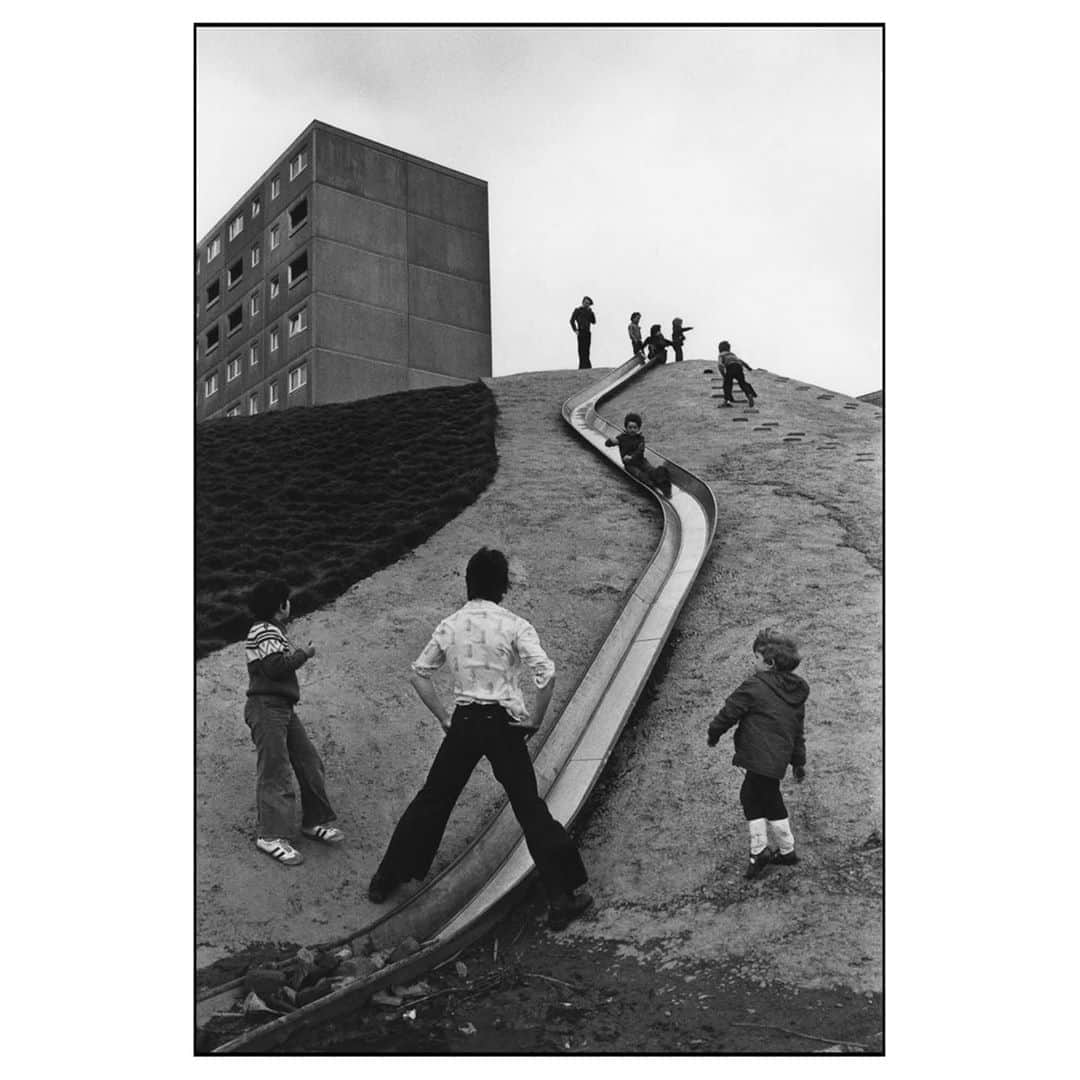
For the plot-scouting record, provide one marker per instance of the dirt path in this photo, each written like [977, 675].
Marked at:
[798, 546]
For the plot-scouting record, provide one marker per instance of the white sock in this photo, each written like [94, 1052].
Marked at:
[784, 837]
[758, 835]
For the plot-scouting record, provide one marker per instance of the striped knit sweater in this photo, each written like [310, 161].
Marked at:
[272, 663]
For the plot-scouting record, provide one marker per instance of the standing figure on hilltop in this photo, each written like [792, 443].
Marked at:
[582, 321]
[769, 709]
[631, 446]
[634, 330]
[486, 646]
[678, 336]
[657, 345]
[732, 368]
[281, 743]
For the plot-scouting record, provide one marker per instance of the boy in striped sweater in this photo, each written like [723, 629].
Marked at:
[281, 742]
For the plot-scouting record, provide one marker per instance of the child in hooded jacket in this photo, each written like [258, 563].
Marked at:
[769, 709]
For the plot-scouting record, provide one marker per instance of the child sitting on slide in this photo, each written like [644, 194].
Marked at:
[631, 446]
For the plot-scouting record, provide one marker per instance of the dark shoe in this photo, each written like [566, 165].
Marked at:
[380, 888]
[790, 859]
[568, 908]
[758, 862]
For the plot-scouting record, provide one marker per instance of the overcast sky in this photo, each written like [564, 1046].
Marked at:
[731, 176]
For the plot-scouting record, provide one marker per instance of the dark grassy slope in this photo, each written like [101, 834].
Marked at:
[326, 496]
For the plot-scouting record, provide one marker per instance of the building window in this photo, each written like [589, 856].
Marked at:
[298, 268]
[275, 287]
[198, 266]
[213, 336]
[298, 165]
[213, 293]
[213, 249]
[233, 410]
[274, 340]
[236, 272]
[236, 318]
[210, 385]
[297, 378]
[275, 236]
[275, 187]
[273, 394]
[253, 354]
[254, 303]
[298, 322]
[236, 226]
[232, 369]
[253, 404]
[256, 255]
[298, 215]
[256, 206]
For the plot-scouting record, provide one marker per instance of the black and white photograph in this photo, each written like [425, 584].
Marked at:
[539, 408]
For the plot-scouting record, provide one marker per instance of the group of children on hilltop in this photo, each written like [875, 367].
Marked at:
[486, 646]
[656, 344]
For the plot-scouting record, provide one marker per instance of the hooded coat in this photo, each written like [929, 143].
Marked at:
[769, 709]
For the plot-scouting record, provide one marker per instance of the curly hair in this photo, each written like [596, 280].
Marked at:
[265, 599]
[632, 418]
[778, 649]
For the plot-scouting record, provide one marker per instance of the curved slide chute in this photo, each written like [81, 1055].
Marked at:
[471, 894]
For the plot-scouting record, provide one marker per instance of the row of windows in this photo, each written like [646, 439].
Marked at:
[298, 378]
[236, 226]
[295, 272]
[297, 217]
[298, 323]
[234, 321]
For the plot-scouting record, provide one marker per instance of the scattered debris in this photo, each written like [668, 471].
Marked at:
[264, 982]
[255, 1004]
[362, 945]
[404, 948]
[382, 997]
[468, 1029]
[461, 969]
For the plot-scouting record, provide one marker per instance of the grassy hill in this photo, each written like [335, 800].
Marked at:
[326, 496]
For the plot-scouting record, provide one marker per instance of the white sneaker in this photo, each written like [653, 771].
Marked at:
[281, 850]
[328, 834]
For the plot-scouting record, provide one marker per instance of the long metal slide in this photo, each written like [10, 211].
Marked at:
[470, 895]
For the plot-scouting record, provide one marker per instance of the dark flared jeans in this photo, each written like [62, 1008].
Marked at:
[478, 731]
[584, 343]
[283, 748]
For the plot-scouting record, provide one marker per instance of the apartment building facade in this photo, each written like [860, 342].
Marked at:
[348, 270]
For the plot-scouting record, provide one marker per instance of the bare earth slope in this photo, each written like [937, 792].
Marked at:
[571, 569]
[798, 546]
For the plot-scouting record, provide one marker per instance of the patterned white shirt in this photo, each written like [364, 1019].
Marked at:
[486, 646]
